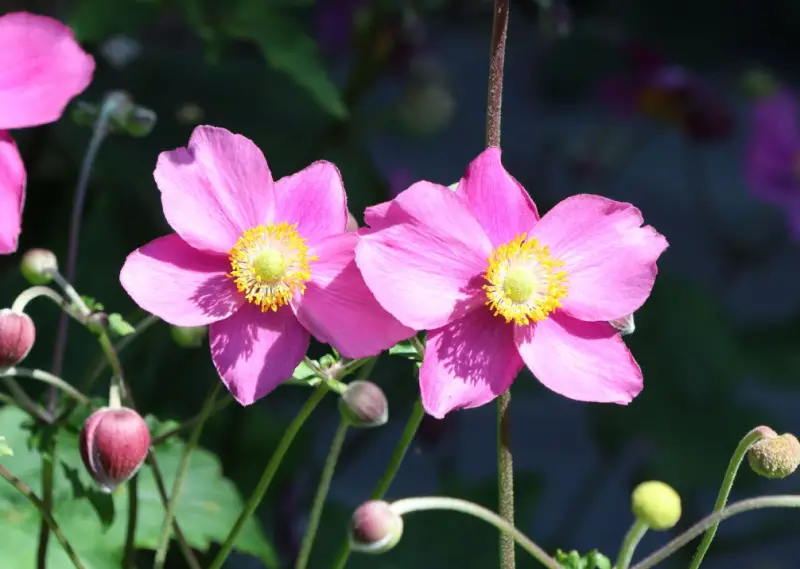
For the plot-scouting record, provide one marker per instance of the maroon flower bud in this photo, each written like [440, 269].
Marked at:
[37, 265]
[17, 334]
[375, 527]
[113, 445]
[363, 404]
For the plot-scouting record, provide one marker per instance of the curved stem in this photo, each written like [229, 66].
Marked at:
[269, 473]
[725, 490]
[321, 495]
[29, 294]
[427, 503]
[29, 495]
[712, 520]
[385, 482]
[23, 401]
[180, 475]
[48, 378]
[632, 539]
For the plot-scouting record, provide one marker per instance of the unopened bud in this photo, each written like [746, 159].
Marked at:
[375, 527]
[624, 325]
[113, 445]
[364, 405]
[352, 222]
[775, 456]
[656, 504]
[38, 265]
[188, 336]
[17, 335]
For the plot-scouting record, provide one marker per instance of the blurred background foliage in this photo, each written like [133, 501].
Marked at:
[393, 91]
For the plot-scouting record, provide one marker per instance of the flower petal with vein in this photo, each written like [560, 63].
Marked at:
[497, 287]
[265, 263]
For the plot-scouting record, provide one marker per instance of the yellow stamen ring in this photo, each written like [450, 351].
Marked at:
[523, 282]
[269, 264]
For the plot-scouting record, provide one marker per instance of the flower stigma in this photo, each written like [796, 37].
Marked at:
[269, 263]
[524, 283]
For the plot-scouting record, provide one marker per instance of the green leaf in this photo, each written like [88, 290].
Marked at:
[91, 304]
[404, 349]
[5, 450]
[119, 326]
[287, 47]
[95, 523]
[303, 371]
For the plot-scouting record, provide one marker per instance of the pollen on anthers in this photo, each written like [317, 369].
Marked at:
[524, 283]
[269, 264]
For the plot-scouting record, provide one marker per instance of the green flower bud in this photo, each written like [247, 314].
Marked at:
[656, 504]
[375, 528]
[775, 456]
[364, 405]
[188, 336]
[38, 265]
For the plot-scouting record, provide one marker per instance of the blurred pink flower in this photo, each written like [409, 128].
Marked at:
[772, 165]
[264, 263]
[42, 67]
[496, 287]
[667, 92]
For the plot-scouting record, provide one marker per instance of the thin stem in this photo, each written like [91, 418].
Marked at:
[321, 495]
[629, 544]
[778, 501]
[385, 482]
[505, 477]
[427, 503]
[47, 503]
[269, 473]
[24, 402]
[29, 495]
[496, 64]
[218, 406]
[133, 514]
[29, 294]
[183, 467]
[727, 483]
[48, 378]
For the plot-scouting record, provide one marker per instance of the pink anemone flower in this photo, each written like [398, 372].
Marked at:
[263, 262]
[496, 287]
[42, 67]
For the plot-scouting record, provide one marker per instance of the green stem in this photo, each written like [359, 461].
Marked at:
[48, 456]
[29, 294]
[725, 490]
[629, 544]
[713, 520]
[391, 470]
[321, 495]
[427, 503]
[48, 378]
[129, 560]
[269, 473]
[180, 476]
[47, 517]
[505, 477]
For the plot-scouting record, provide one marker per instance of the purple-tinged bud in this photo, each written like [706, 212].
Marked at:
[624, 325]
[775, 456]
[17, 335]
[352, 222]
[188, 336]
[113, 445]
[38, 265]
[375, 527]
[364, 405]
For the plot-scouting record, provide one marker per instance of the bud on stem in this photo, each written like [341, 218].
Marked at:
[17, 336]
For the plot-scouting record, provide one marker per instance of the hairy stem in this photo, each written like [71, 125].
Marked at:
[629, 544]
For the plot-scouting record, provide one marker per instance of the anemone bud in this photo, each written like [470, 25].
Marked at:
[375, 527]
[17, 335]
[656, 504]
[37, 266]
[363, 405]
[775, 456]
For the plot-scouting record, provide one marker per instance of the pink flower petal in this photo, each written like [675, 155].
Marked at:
[468, 363]
[609, 257]
[501, 205]
[12, 193]
[585, 361]
[338, 308]
[42, 67]
[214, 189]
[427, 268]
[256, 351]
[314, 198]
[179, 284]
